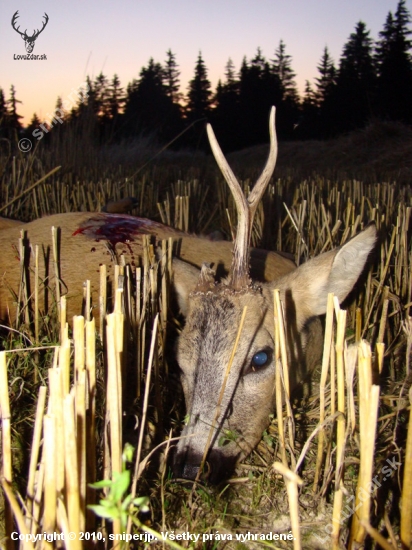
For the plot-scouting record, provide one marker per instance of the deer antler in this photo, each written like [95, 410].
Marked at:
[246, 207]
[29, 40]
[46, 17]
[13, 23]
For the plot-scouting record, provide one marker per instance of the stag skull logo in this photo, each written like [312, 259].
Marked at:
[29, 41]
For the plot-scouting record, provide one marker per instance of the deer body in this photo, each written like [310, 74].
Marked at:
[88, 240]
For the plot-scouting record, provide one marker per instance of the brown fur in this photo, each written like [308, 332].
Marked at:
[6, 223]
[87, 240]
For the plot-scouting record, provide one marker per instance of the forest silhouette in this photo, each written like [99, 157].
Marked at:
[372, 81]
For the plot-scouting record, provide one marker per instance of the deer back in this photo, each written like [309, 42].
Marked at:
[87, 240]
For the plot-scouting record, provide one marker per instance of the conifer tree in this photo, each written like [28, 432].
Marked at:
[171, 77]
[282, 68]
[33, 125]
[394, 66]
[199, 94]
[327, 79]
[101, 88]
[226, 113]
[288, 108]
[13, 118]
[307, 126]
[115, 97]
[354, 95]
[3, 114]
[149, 108]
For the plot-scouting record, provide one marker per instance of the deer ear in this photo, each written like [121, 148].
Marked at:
[185, 279]
[336, 271]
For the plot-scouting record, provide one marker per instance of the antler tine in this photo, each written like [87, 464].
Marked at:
[260, 186]
[13, 23]
[246, 208]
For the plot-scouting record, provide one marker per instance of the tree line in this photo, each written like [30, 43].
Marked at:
[372, 80]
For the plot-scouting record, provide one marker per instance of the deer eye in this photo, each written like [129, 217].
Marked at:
[261, 359]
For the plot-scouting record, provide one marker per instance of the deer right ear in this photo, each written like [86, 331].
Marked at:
[335, 271]
[185, 279]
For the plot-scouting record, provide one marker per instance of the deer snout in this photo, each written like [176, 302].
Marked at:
[216, 469]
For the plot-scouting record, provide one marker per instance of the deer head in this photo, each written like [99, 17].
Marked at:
[28, 40]
[226, 421]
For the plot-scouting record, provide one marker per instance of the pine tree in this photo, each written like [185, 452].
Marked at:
[149, 108]
[225, 115]
[288, 109]
[281, 67]
[33, 125]
[394, 66]
[171, 77]
[199, 94]
[115, 98]
[327, 79]
[102, 104]
[308, 126]
[3, 109]
[354, 94]
[13, 118]
[3, 115]
[259, 89]
[230, 74]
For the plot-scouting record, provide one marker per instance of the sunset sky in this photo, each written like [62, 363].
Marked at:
[85, 38]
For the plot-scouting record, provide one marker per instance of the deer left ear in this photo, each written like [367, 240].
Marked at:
[185, 279]
[336, 271]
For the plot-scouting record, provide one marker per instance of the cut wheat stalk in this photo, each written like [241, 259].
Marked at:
[368, 414]
[71, 469]
[292, 482]
[278, 390]
[341, 424]
[55, 233]
[324, 374]
[14, 507]
[102, 299]
[406, 509]
[49, 458]
[6, 469]
[114, 391]
[280, 324]
[144, 415]
[35, 450]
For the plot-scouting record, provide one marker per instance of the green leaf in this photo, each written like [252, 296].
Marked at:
[128, 451]
[121, 482]
[103, 512]
[101, 484]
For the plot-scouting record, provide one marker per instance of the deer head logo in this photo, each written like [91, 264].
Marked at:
[29, 41]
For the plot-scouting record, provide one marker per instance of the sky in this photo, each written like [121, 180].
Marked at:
[86, 37]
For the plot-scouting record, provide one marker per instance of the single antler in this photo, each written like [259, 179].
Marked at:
[246, 207]
[13, 24]
[35, 35]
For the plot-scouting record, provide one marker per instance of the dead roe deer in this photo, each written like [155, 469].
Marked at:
[212, 308]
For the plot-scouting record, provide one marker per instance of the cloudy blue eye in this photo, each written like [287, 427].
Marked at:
[261, 359]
